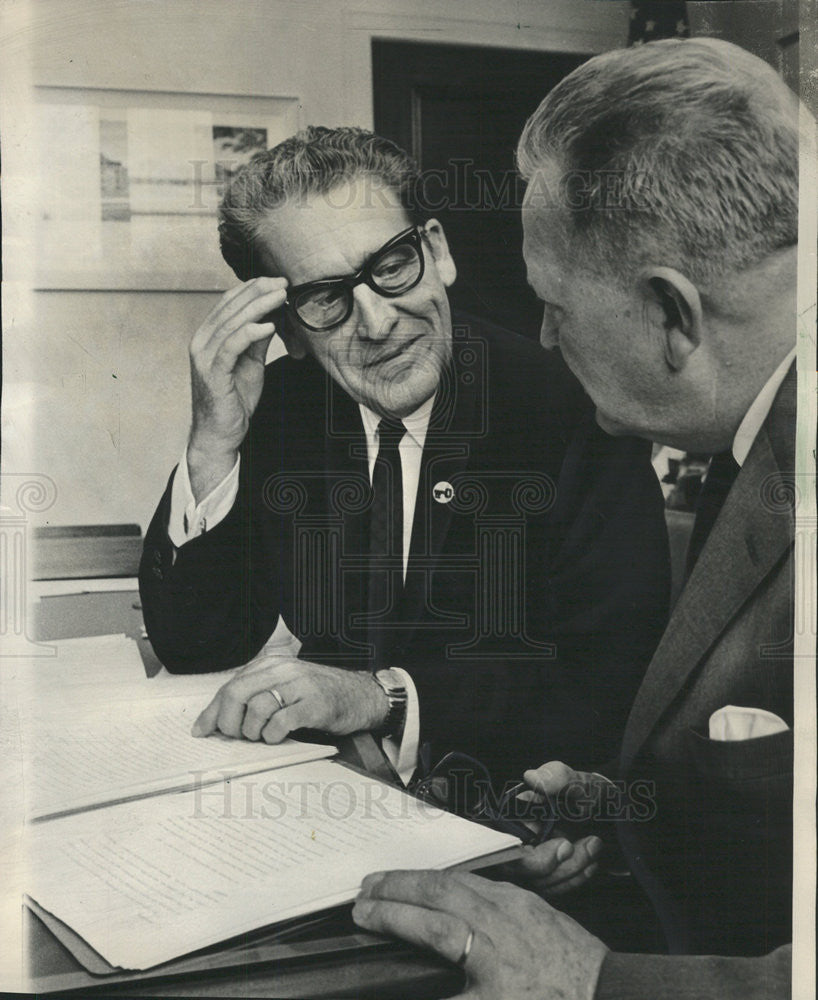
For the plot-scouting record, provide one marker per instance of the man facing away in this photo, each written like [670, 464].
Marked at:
[468, 562]
[660, 223]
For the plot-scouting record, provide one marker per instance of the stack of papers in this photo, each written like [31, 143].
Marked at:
[151, 844]
[147, 881]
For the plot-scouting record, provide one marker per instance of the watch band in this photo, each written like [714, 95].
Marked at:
[395, 690]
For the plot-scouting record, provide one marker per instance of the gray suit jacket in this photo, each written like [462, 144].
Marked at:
[716, 856]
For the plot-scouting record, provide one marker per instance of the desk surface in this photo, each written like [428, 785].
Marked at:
[333, 968]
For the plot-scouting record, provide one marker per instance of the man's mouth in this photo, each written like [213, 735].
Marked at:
[391, 354]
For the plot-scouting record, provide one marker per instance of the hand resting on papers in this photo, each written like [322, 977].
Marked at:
[520, 946]
[314, 696]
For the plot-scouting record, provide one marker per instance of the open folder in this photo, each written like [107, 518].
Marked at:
[148, 848]
[146, 881]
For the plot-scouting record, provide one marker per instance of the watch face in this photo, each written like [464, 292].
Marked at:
[390, 680]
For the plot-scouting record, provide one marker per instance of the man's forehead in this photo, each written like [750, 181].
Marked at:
[545, 234]
[330, 232]
[544, 187]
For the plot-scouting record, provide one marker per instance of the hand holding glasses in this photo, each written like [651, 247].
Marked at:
[462, 785]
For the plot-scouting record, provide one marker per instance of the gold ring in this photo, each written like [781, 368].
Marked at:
[278, 698]
[464, 955]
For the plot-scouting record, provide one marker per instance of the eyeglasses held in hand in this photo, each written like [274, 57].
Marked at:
[461, 784]
[394, 269]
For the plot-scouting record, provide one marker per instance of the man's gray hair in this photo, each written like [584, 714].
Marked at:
[314, 161]
[683, 149]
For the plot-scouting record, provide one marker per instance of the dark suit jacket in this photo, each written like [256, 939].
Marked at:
[717, 857]
[533, 599]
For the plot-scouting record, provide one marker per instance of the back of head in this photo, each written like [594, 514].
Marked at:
[314, 161]
[683, 153]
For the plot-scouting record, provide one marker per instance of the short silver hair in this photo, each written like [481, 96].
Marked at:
[683, 148]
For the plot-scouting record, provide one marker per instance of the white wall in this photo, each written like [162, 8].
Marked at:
[95, 382]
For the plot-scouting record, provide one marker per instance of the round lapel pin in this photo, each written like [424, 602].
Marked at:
[443, 492]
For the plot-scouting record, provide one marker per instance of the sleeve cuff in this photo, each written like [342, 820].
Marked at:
[188, 519]
[691, 977]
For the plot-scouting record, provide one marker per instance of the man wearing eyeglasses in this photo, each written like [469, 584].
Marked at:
[467, 561]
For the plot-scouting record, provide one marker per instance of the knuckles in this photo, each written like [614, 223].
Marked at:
[440, 932]
[436, 887]
[256, 709]
[531, 909]
[231, 697]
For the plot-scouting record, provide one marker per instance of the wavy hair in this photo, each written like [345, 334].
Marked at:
[314, 161]
[685, 149]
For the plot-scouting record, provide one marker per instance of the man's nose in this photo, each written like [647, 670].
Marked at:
[550, 329]
[375, 315]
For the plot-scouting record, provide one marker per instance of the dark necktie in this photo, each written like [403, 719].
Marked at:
[717, 484]
[385, 532]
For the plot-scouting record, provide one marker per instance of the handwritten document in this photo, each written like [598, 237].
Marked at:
[150, 880]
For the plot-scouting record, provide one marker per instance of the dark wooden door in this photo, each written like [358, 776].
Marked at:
[459, 110]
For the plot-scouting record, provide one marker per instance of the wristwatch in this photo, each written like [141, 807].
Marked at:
[395, 690]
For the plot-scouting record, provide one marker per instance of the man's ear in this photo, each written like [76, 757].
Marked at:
[291, 336]
[680, 308]
[440, 251]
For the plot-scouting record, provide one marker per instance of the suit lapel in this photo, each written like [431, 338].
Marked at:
[347, 497]
[344, 440]
[749, 537]
[445, 455]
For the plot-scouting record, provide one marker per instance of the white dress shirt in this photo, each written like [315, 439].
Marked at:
[747, 430]
[759, 411]
[188, 520]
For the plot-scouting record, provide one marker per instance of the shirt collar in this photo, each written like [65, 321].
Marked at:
[416, 423]
[759, 409]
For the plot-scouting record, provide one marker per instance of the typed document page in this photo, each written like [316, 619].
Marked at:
[150, 880]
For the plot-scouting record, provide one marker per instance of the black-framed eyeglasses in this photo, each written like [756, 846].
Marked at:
[462, 784]
[394, 269]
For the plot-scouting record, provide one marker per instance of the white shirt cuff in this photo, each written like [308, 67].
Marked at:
[188, 519]
[403, 753]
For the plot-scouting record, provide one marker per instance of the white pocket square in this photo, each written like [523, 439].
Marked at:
[735, 722]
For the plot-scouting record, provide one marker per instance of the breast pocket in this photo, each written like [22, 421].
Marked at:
[745, 791]
[732, 762]
[740, 839]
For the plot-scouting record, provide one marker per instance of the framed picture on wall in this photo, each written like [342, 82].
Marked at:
[129, 183]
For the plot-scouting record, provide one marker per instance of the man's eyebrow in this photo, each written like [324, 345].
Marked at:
[544, 300]
[360, 263]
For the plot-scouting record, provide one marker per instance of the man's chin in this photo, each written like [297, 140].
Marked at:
[611, 426]
[401, 400]
[407, 384]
